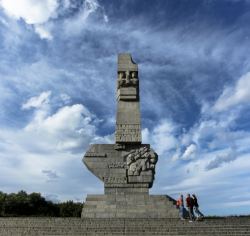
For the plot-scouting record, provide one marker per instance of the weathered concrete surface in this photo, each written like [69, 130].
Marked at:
[77, 226]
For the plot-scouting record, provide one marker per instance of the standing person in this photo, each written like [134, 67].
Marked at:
[190, 207]
[180, 205]
[196, 207]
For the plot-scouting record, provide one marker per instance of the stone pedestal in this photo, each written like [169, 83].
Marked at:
[127, 167]
[129, 205]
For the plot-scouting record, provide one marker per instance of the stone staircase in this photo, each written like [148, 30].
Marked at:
[77, 226]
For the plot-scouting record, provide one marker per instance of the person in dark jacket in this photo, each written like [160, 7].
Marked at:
[190, 207]
[196, 206]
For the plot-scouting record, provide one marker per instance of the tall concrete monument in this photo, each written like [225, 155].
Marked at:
[127, 167]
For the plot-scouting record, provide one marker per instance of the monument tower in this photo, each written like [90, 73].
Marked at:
[127, 167]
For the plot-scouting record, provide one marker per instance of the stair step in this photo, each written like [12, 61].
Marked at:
[76, 226]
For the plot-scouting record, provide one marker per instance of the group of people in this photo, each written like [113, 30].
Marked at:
[192, 206]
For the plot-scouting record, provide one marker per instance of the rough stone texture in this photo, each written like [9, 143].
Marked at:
[76, 227]
[131, 167]
[128, 120]
[127, 167]
[132, 205]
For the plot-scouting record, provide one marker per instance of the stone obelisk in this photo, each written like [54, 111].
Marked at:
[127, 167]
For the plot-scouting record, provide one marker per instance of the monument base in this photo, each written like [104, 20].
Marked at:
[138, 205]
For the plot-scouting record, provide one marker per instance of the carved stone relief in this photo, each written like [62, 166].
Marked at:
[127, 79]
[142, 159]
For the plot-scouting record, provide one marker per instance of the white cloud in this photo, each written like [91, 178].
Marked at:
[4, 22]
[90, 6]
[227, 156]
[66, 3]
[70, 128]
[234, 95]
[37, 101]
[189, 152]
[77, 23]
[213, 138]
[40, 12]
[43, 32]
[31, 11]
[105, 17]
[65, 97]
[162, 138]
[49, 148]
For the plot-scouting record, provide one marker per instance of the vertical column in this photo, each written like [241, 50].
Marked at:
[128, 121]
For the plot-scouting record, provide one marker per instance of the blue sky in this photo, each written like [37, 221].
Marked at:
[57, 94]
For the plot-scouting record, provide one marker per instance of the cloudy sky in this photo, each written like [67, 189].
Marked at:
[58, 61]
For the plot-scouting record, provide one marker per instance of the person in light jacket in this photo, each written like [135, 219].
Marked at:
[180, 206]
